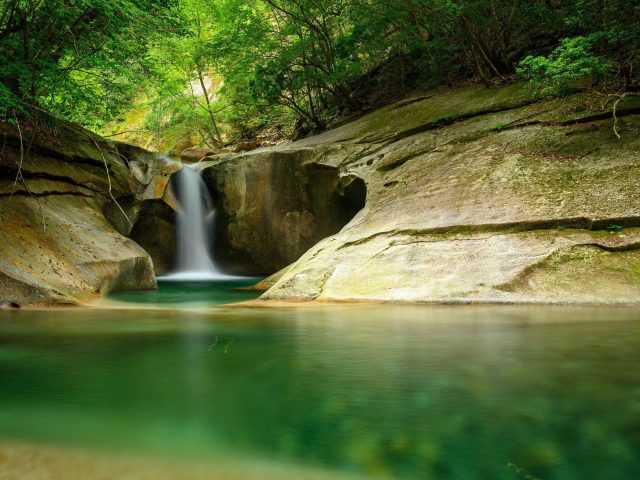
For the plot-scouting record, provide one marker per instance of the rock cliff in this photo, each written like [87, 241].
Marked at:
[456, 196]
[64, 238]
[276, 204]
[472, 195]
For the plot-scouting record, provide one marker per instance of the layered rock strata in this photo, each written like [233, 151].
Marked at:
[472, 195]
[65, 222]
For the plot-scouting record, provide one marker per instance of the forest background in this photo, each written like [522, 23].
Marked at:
[168, 74]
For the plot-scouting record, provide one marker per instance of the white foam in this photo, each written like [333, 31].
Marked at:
[197, 276]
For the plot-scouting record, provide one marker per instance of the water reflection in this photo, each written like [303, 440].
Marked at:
[402, 392]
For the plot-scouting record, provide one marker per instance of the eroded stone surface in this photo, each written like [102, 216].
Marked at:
[64, 236]
[479, 195]
[274, 206]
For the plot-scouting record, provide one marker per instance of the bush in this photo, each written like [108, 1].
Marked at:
[571, 65]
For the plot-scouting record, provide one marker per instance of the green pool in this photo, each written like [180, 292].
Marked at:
[383, 391]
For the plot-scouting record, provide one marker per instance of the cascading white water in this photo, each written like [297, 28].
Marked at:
[195, 215]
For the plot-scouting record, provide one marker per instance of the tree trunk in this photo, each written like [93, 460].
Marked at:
[218, 138]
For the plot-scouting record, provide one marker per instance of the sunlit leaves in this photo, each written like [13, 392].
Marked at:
[78, 59]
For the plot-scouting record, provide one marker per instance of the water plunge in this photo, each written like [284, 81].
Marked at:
[194, 221]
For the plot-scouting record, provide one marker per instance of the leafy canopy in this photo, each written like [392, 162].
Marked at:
[214, 71]
[79, 59]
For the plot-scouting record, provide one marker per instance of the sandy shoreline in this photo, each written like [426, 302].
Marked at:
[29, 461]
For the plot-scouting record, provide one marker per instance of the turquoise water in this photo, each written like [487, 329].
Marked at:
[191, 294]
[392, 392]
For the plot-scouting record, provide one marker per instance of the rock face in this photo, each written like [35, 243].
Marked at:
[64, 238]
[152, 209]
[276, 205]
[473, 195]
[464, 195]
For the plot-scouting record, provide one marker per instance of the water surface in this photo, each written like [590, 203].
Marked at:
[382, 391]
[186, 294]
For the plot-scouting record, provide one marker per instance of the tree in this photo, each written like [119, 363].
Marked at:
[74, 58]
[601, 50]
[228, 68]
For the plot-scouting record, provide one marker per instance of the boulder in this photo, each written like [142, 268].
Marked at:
[195, 154]
[181, 146]
[274, 206]
[65, 227]
[247, 146]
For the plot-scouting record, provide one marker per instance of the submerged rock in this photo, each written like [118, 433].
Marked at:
[472, 195]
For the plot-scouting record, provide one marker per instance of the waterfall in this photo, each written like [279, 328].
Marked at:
[196, 214]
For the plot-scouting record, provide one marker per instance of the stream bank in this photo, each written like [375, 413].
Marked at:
[472, 195]
[460, 195]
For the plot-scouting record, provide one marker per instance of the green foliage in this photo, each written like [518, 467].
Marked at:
[573, 64]
[324, 59]
[8, 101]
[79, 59]
[603, 48]
[214, 71]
